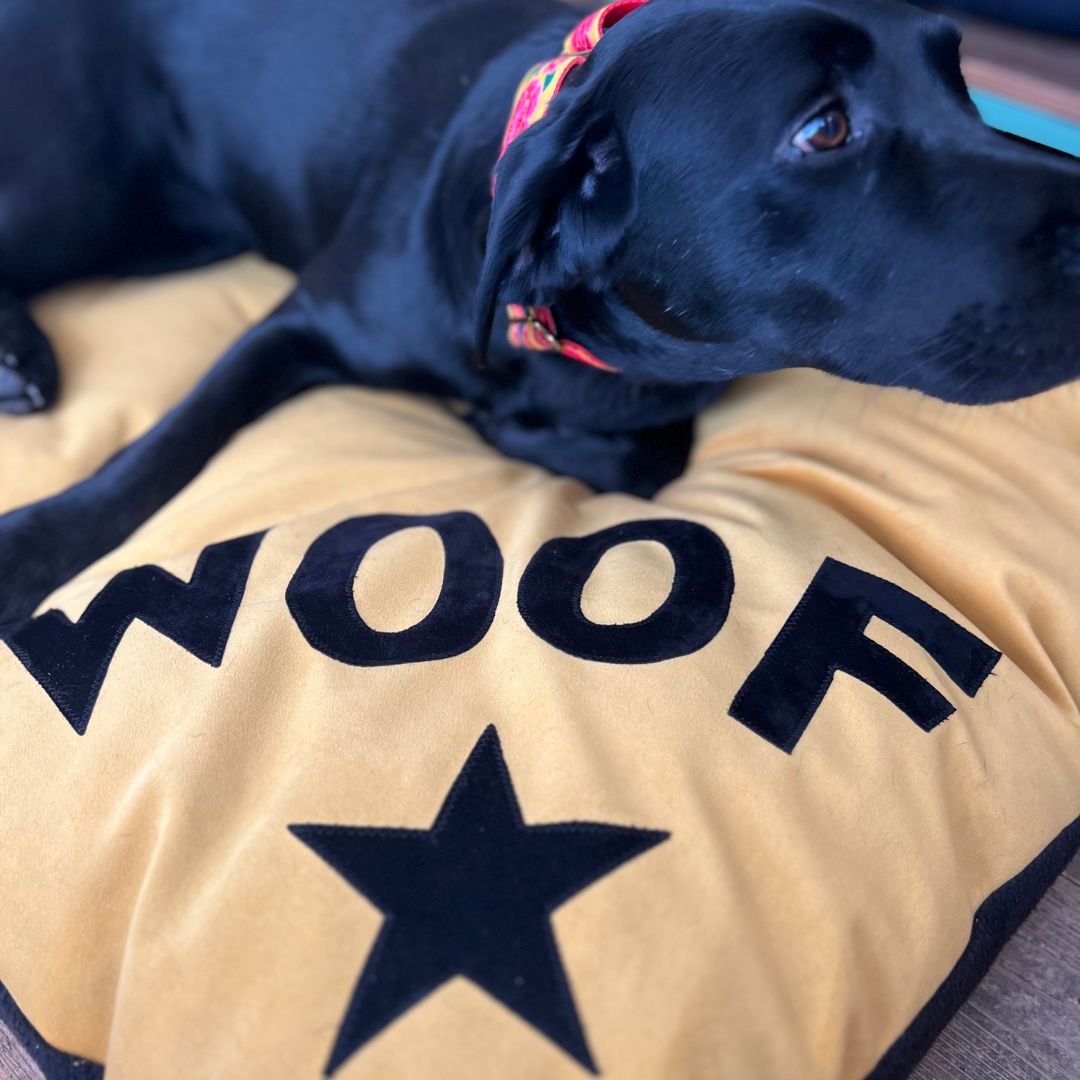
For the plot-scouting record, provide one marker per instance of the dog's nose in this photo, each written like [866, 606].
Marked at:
[1067, 259]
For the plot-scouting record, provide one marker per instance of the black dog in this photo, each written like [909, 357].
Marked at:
[725, 186]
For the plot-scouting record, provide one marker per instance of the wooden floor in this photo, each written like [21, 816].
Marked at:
[14, 1064]
[1022, 1023]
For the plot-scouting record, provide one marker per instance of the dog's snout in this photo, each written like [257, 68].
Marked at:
[1052, 250]
[1067, 256]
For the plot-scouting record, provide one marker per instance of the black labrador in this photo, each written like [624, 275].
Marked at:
[723, 187]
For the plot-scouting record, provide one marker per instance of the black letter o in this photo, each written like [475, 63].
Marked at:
[320, 594]
[549, 596]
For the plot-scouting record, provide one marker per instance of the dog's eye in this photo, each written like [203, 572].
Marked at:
[826, 131]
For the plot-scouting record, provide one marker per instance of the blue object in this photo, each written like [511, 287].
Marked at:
[1035, 124]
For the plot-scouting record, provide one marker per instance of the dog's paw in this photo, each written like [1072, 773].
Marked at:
[19, 390]
[28, 372]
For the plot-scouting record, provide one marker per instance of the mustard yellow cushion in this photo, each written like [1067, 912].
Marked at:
[463, 771]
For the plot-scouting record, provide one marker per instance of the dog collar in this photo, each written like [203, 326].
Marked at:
[534, 327]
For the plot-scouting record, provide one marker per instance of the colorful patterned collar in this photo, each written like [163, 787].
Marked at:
[534, 327]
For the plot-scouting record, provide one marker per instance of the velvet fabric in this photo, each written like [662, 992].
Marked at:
[472, 896]
[549, 596]
[70, 659]
[320, 594]
[826, 634]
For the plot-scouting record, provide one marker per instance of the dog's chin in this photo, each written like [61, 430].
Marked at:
[992, 354]
[986, 372]
[979, 389]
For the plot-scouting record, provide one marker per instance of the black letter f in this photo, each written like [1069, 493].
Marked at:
[825, 634]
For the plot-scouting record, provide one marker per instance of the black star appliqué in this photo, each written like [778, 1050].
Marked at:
[471, 896]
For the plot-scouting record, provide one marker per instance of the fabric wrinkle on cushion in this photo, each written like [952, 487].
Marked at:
[806, 905]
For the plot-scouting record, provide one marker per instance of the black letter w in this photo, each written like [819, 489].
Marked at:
[70, 660]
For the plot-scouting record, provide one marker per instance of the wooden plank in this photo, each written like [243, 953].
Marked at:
[1023, 1020]
[1044, 954]
[1072, 871]
[1053, 59]
[967, 1051]
[1020, 86]
[15, 1063]
[1043, 1030]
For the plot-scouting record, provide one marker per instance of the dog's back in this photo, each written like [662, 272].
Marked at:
[255, 124]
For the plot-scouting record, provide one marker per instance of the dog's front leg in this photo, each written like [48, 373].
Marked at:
[47, 543]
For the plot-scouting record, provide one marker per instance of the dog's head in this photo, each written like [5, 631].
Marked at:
[729, 186]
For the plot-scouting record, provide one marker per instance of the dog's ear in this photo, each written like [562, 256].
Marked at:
[564, 194]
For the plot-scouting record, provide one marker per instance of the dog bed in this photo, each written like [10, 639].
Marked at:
[378, 755]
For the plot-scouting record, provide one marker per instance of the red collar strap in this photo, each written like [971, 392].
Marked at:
[534, 327]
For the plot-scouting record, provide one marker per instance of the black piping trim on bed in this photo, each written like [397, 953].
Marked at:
[54, 1064]
[998, 917]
